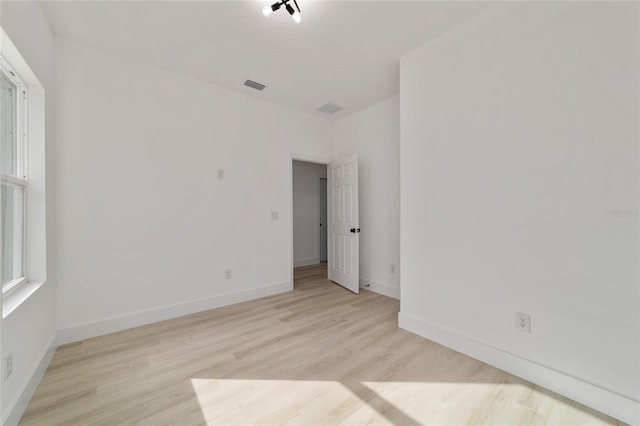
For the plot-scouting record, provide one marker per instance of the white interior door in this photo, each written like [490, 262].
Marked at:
[322, 214]
[344, 249]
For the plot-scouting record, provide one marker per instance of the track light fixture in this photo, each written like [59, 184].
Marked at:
[295, 14]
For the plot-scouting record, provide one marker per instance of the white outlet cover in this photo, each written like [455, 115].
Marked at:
[8, 366]
[523, 322]
[275, 215]
[220, 174]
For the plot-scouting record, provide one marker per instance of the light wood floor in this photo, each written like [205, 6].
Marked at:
[316, 356]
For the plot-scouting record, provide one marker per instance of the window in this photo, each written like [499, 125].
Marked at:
[23, 195]
[13, 177]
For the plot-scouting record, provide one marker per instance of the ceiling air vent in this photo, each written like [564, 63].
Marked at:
[330, 108]
[254, 85]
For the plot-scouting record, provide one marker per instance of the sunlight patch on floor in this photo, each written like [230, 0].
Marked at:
[485, 403]
[329, 402]
[241, 402]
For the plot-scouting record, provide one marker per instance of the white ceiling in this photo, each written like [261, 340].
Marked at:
[344, 52]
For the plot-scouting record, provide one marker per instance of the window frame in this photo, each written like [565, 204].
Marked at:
[21, 178]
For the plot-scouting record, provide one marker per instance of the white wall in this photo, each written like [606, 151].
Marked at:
[519, 145]
[29, 332]
[374, 136]
[145, 229]
[306, 209]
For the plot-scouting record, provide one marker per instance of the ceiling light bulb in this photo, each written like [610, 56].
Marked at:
[267, 10]
[297, 18]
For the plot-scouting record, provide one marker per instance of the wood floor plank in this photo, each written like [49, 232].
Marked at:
[316, 355]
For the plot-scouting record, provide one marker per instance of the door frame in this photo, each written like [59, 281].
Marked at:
[292, 158]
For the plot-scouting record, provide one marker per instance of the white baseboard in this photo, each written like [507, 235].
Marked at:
[606, 401]
[110, 325]
[384, 289]
[306, 262]
[19, 404]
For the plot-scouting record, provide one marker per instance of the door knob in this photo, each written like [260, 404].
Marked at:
[354, 230]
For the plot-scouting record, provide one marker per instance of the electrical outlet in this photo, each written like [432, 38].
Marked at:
[275, 215]
[220, 174]
[392, 268]
[8, 366]
[523, 322]
[228, 273]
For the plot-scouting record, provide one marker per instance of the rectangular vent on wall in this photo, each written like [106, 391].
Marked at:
[330, 108]
[254, 85]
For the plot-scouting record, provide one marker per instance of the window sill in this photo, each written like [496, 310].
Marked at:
[16, 297]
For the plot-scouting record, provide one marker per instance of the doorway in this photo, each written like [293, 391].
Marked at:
[309, 217]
